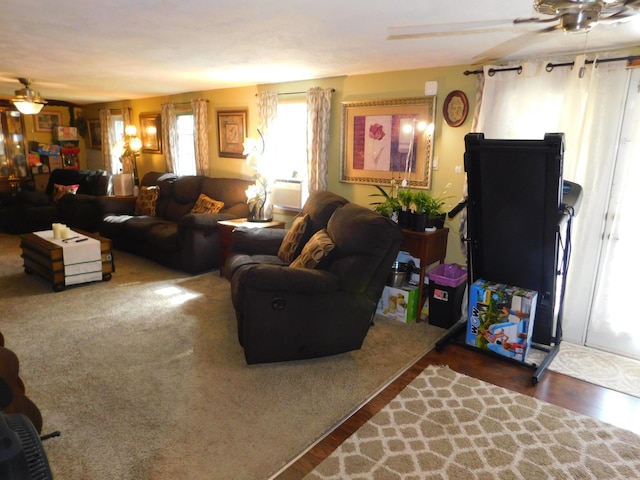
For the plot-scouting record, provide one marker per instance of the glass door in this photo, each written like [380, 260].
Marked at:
[613, 325]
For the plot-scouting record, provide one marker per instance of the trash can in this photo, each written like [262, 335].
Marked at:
[447, 284]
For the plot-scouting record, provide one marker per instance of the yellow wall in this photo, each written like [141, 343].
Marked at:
[448, 141]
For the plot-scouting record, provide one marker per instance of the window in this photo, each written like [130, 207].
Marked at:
[290, 141]
[186, 158]
[117, 126]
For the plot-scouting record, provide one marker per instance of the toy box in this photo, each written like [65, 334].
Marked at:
[399, 303]
[501, 318]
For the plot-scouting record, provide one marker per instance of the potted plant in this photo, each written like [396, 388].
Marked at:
[435, 208]
[405, 198]
[389, 207]
[420, 214]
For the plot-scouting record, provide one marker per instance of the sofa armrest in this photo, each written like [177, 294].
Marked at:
[257, 241]
[278, 278]
[30, 198]
[125, 205]
[202, 221]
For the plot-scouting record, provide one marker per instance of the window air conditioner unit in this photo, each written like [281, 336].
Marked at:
[287, 194]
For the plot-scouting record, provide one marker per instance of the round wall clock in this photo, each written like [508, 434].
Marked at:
[455, 108]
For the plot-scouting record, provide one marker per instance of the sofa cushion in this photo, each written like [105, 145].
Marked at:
[146, 201]
[206, 204]
[290, 242]
[60, 191]
[163, 236]
[315, 250]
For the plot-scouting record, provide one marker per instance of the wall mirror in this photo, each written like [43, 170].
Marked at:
[13, 153]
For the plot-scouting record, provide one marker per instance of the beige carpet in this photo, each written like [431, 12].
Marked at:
[144, 376]
[601, 368]
[448, 425]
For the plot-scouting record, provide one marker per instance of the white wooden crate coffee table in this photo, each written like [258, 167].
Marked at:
[45, 256]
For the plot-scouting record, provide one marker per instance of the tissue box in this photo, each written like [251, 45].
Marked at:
[399, 303]
[501, 318]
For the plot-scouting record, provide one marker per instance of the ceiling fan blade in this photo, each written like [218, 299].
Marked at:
[509, 46]
[537, 19]
[445, 29]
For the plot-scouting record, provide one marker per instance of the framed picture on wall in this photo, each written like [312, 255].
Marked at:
[150, 132]
[232, 130]
[388, 139]
[95, 138]
[47, 121]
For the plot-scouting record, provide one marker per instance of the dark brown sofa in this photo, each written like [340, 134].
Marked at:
[286, 312]
[175, 237]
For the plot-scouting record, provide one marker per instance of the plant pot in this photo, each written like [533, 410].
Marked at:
[404, 218]
[437, 221]
[419, 221]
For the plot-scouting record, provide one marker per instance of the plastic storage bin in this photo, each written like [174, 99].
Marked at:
[447, 284]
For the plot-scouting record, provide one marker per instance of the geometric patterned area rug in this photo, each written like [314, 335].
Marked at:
[595, 366]
[448, 425]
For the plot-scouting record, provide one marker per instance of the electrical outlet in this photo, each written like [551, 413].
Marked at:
[458, 169]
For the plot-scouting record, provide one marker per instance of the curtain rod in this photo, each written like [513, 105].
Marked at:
[296, 93]
[550, 66]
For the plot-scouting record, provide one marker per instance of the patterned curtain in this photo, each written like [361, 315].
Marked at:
[267, 113]
[127, 160]
[169, 136]
[200, 135]
[107, 139]
[318, 118]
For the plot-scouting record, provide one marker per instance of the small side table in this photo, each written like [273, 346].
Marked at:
[429, 247]
[226, 228]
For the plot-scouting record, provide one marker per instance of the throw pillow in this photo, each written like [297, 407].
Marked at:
[146, 201]
[206, 204]
[316, 249]
[60, 191]
[291, 240]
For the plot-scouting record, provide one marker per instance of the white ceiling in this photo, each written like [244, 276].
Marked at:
[95, 51]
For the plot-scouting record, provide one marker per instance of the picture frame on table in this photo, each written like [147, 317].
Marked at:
[232, 130]
[151, 132]
[95, 136]
[382, 141]
[47, 121]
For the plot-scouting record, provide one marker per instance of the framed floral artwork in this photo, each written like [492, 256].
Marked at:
[388, 139]
[150, 132]
[232, 130]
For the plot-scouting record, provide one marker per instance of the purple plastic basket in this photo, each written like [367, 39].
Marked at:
[448, 275]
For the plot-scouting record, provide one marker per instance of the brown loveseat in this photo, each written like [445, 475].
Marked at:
[173, 235]
[298, 310]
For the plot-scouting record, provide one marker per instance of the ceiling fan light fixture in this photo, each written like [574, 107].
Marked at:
[28, 101]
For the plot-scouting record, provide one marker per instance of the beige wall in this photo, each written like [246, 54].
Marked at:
[448, 142]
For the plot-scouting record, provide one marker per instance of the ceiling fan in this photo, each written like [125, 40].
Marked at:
[570, 15]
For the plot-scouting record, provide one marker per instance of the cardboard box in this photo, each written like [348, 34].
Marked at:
[66, 133]
[399, 303]
[501, 318]
[54, 161]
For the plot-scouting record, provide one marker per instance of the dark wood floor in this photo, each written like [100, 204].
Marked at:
[607, 405]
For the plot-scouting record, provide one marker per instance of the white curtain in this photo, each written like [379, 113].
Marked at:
[318, 119]
[107, 139]
[585, 104]
[201, 134]
[169, 136]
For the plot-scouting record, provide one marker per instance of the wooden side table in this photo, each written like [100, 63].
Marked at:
[429, 247]
[226, 228]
